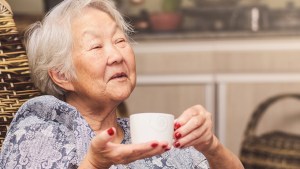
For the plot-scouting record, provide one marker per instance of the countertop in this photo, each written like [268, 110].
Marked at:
[161, 36]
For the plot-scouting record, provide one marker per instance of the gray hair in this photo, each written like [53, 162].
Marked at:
[49, 43]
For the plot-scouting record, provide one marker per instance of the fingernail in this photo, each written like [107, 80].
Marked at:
[177, 144]
[110, 131]
[177, 125]
[177, 135]
[164, 146]
[153, 145]
[167, 149]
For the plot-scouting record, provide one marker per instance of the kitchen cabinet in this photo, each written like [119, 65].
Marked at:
[240, 94]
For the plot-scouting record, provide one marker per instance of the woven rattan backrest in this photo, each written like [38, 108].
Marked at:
[15, 84]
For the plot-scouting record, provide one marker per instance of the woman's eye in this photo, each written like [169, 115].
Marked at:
[96, 47]
[121, 43]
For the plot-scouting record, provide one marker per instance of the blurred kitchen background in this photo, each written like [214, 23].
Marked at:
[228, 55]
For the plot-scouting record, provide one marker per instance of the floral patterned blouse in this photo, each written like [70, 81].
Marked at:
[49, 133]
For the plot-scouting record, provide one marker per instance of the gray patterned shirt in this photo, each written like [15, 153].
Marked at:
[49, 133]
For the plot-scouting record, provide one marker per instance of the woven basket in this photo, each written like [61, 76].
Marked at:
[15, 85]
[274, 150]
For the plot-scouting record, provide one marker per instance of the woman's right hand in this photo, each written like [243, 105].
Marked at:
[103, 153]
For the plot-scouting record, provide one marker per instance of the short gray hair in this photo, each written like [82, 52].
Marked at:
[49, 43]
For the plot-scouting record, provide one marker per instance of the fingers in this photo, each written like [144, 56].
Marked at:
[192, 117]
[193, 127]
[196, 138]
[126, 153]
[202, 144]
[190, 120]
[190, 126]
[140, 151]
[189, 113]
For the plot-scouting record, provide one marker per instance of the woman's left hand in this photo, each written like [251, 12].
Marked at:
[194, 128]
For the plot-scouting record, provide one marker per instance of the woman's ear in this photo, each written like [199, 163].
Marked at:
[61, 80]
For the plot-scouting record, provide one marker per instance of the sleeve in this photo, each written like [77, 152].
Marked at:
[199, 160]
[35, 143]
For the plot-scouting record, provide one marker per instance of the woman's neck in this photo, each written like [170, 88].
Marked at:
[100, 118]
[100, 124]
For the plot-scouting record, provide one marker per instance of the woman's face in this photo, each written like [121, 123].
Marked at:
[103, 58]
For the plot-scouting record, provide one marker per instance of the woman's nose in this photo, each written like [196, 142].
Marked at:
[114, 55]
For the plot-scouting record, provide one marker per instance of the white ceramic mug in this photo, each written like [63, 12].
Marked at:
[151, 126]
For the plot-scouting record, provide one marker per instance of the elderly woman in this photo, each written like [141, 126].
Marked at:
[81, 55]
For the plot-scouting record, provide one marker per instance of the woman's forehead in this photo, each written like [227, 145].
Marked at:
[93, 25]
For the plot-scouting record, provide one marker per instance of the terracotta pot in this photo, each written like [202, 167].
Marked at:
[165, 21]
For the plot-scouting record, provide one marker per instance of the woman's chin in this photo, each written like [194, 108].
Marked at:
[121, 95]
[120, 92]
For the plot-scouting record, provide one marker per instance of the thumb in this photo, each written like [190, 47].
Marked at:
[101, 140]
[98, 146]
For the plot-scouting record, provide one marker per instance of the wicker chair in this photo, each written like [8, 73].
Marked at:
[15, 85]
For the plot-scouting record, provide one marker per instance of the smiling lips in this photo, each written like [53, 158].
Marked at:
[118, 75]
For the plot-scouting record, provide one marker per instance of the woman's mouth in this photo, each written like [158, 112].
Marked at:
[118, 76]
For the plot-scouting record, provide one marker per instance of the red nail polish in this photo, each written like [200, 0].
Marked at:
[177, 125]
[164, 146]
[177, 144]
[177, 135]
[110, 131]
[153, 145]
[167, 149]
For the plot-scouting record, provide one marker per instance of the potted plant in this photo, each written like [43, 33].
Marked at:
[169, 18]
